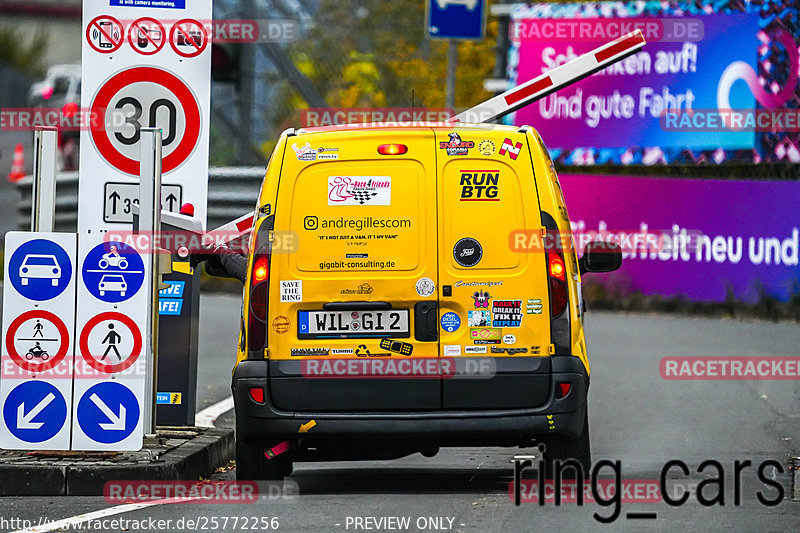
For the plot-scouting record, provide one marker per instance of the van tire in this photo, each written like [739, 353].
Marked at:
[253, 465]
[564, 447]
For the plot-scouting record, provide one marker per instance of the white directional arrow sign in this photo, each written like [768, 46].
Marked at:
[24, 420]
[117, 422]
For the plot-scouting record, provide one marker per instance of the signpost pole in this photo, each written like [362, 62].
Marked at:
[149, 224]
[452, 61]
[43, 207]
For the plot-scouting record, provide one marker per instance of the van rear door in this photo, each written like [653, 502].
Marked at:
[354, 308]
[496, 322]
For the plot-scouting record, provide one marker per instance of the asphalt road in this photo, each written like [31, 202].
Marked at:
[636, 417]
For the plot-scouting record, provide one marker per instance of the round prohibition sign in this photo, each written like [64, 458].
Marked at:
[63, 333]
[102, 367]
[184, 34]
[146, 31]
[185, 97]
[106, 44]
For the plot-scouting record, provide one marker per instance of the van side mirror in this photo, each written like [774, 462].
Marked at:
[599, 256]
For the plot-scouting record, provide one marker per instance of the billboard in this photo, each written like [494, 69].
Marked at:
[699, 62]
[706, 239]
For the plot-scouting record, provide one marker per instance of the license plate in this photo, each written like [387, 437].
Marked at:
[353, 324]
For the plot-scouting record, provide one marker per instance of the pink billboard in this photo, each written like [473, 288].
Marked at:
[715, 237]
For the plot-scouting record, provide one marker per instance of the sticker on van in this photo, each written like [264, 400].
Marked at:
[481, 299]
[452, 350]
[450, 322]
[425, 287]
[485, 335]
[486, 147]
[455, 146]
[292, 290]
[510, 148]
[305, 153]
[506, 313]
[479, 318]
[467, 252]
[480, 185]
[359, 190]
[476, 349]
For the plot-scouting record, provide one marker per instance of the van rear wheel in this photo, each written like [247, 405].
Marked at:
[253, 465]
[565, 447]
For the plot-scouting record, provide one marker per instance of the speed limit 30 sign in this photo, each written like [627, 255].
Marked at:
[149, 97]
[156, 74]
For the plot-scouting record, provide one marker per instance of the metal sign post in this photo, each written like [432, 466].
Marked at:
[43, 207]
[149, 224]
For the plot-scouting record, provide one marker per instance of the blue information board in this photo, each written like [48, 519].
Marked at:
[456, 19]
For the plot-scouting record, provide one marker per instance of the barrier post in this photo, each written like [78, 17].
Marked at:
[150, 224]
[43, 206]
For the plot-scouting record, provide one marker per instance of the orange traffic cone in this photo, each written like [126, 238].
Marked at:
[18, 165]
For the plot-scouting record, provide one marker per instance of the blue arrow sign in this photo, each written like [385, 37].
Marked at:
[39, 270]
[113, 271]
[456, 19]
[35, 411]
[108, 412]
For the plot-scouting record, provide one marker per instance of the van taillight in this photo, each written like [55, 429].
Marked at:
[260, 269]
[560, 327]
[558, 296]
[259, 291]
[556, 266]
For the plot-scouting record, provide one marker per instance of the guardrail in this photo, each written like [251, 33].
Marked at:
[232, 192]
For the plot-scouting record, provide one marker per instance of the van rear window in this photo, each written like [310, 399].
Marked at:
[359, 215]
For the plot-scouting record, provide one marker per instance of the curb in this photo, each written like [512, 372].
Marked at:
[197, 457]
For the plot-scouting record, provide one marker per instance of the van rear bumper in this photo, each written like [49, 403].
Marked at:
[440, 427]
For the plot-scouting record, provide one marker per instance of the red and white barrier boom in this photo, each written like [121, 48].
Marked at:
[551, 81]
[519, 96]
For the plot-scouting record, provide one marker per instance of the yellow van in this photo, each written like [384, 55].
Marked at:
[399, 299]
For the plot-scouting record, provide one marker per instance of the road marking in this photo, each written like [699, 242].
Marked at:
[206, 417]
[72, 522]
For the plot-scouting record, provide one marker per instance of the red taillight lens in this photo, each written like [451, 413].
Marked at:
[562, 389]
[558, 296]
[257, 394]
[258, 301]
[392, 149]
[260, 269]
[556, 266]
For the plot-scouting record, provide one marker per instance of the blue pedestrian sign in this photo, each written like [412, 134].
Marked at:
[450, 322]
[108, 412]
[40, 270]
[35, 411]
[113, 272]
[456, 19]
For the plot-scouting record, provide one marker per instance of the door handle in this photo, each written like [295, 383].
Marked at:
[425, 323]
